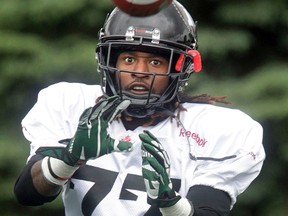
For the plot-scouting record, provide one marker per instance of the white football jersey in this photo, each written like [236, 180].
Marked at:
[208, 145]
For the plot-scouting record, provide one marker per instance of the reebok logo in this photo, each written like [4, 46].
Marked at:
[195, 136]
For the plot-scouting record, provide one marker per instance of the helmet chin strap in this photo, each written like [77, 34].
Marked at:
[140, 99]
[140, 107]
[142, 112]
[139, 111]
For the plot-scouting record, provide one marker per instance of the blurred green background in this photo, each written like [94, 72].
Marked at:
[244, 47]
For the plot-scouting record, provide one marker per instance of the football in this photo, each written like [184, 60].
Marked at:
[141, 7]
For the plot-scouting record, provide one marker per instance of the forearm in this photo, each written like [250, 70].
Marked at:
[44, 187]
[201, 201]
[208, 201]
[34, 190]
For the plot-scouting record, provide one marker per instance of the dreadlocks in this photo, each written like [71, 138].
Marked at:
[203, 98]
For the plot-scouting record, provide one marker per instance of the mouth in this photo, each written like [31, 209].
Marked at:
[138, 88]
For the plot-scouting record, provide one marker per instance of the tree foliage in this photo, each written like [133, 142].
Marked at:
[244, 47]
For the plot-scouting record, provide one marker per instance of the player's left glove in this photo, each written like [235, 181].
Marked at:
[155, 171]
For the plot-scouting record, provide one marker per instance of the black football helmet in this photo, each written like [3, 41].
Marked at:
[171, 33]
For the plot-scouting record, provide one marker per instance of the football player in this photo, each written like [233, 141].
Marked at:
[136, 145]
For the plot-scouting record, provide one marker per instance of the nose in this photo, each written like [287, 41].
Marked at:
[142, 67]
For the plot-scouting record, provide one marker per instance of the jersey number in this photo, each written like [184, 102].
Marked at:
[106, 179]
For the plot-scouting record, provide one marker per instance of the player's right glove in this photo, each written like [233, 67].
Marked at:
[90, 141]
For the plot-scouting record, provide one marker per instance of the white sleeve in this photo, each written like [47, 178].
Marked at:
[236, 157]
[55, 115]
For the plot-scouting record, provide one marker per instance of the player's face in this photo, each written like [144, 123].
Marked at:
[145, 63]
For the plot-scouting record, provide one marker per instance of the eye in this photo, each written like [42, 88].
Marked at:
[156, 62]
[129, 59]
